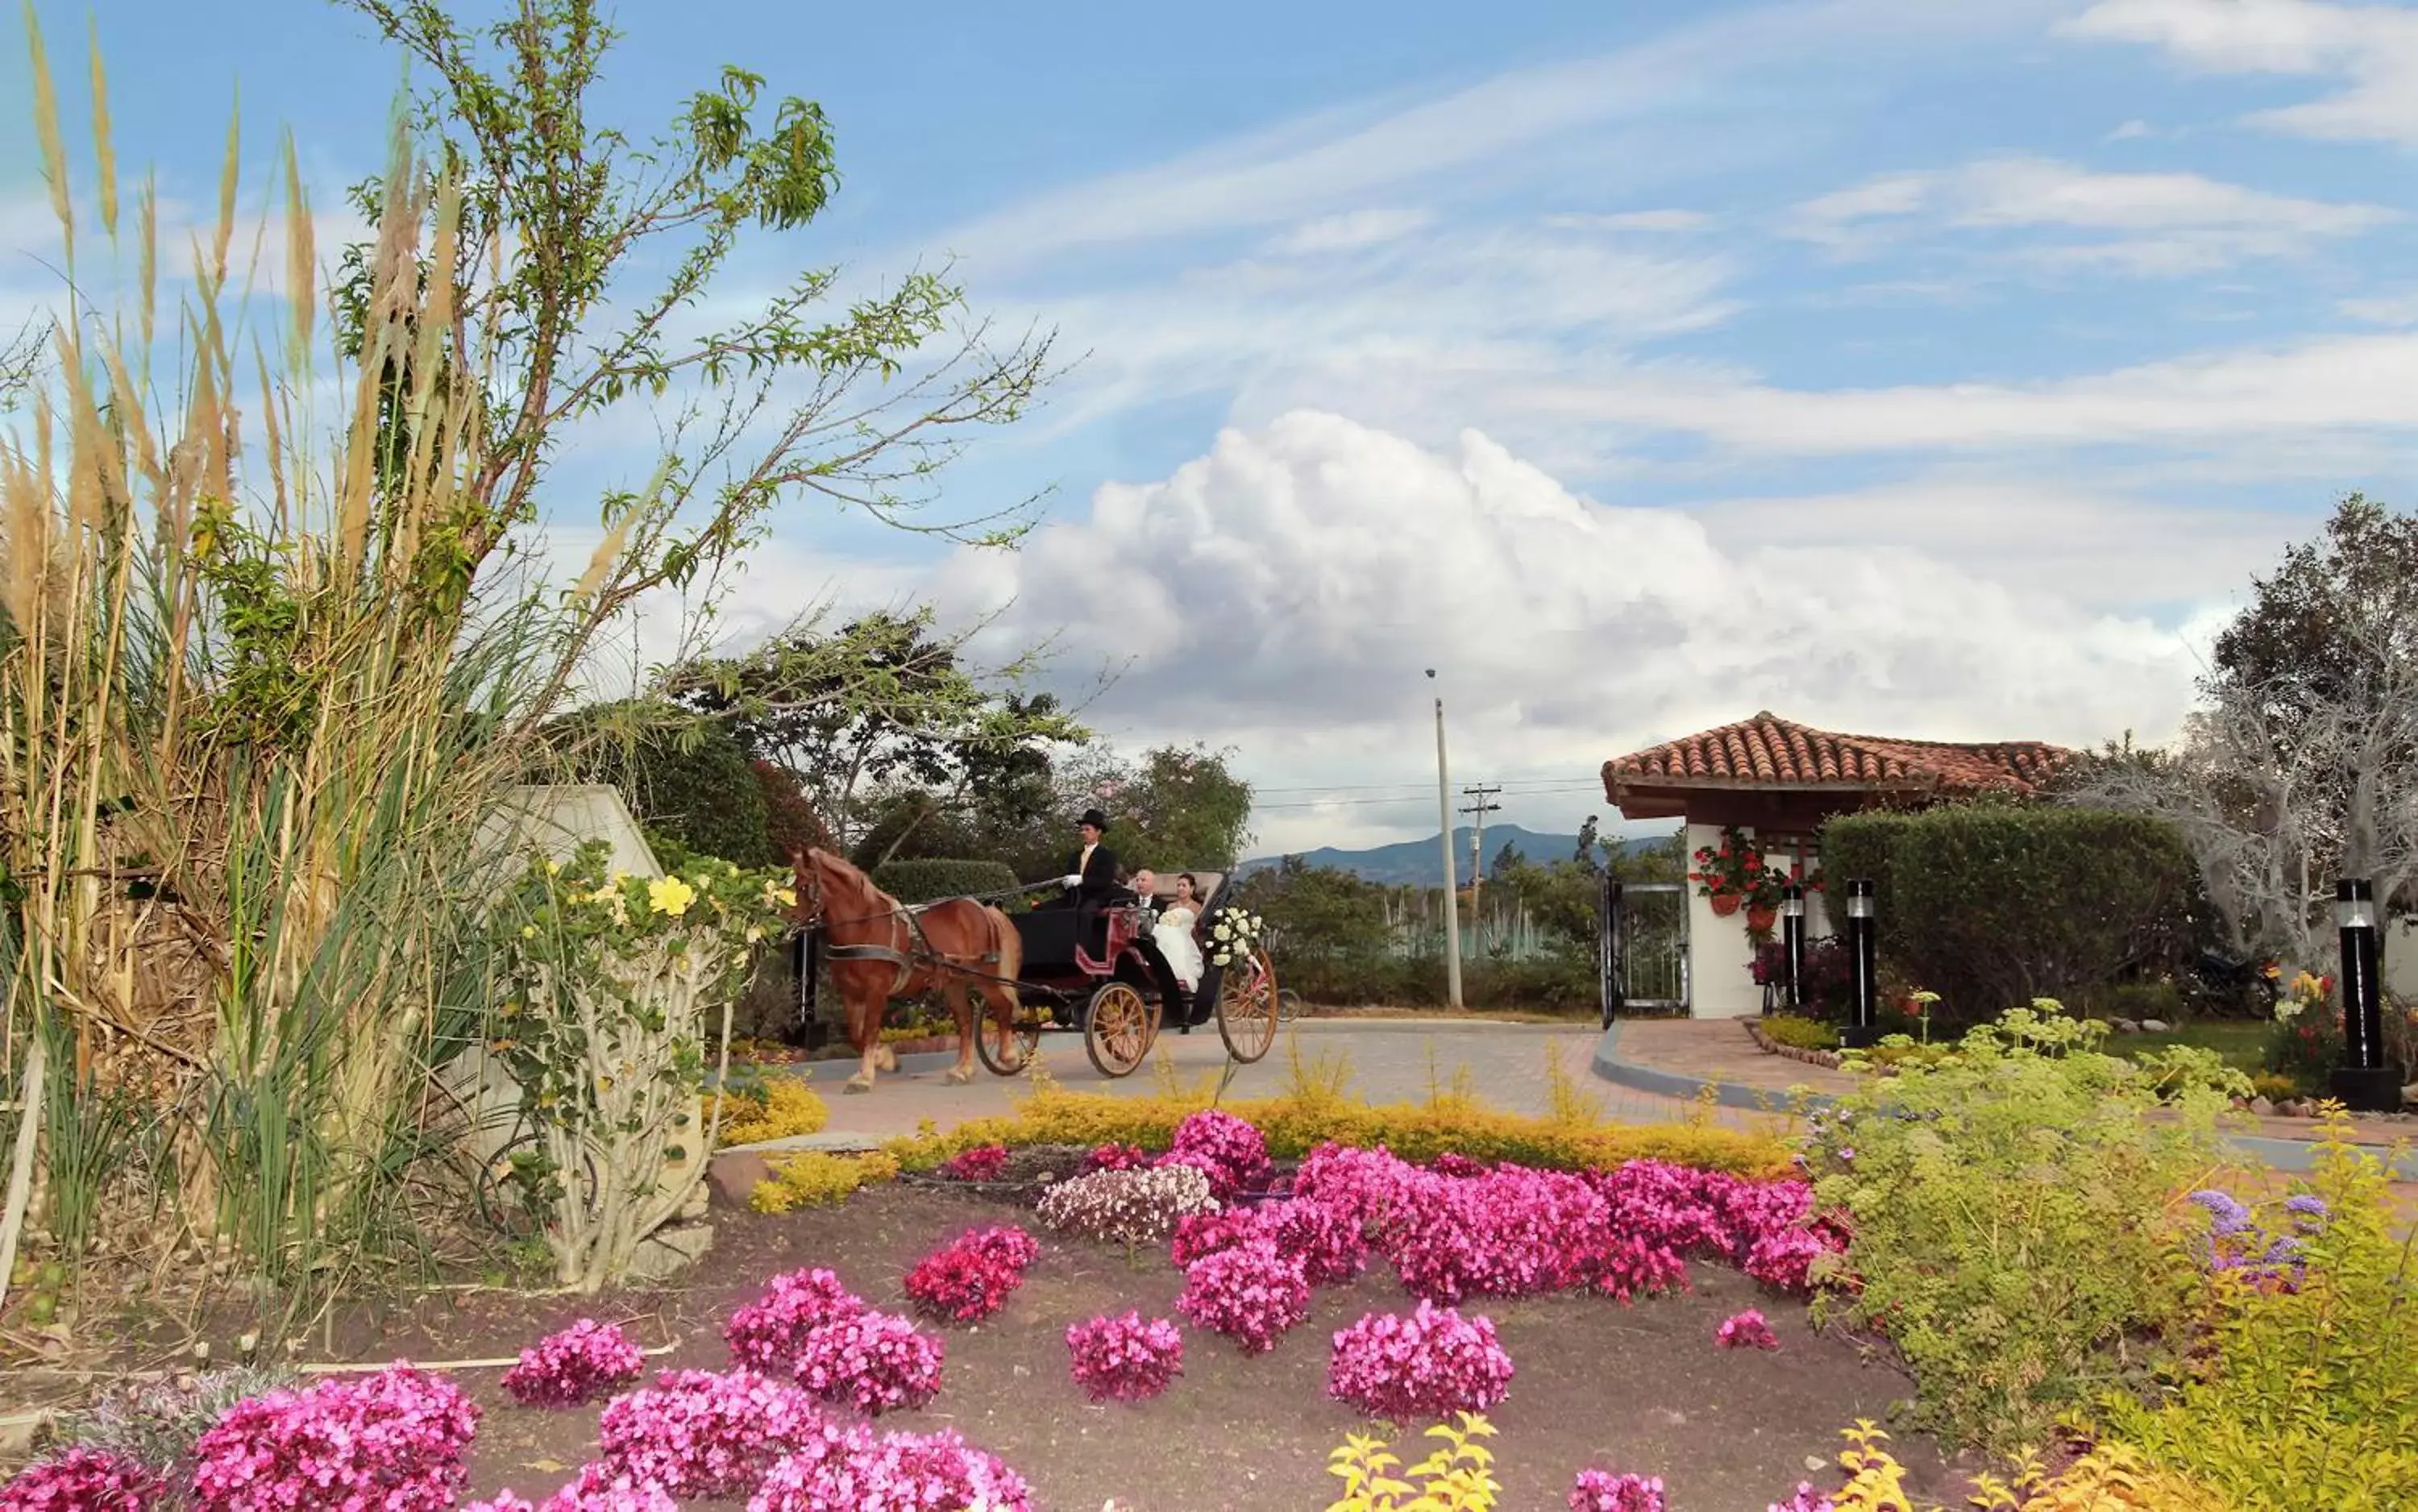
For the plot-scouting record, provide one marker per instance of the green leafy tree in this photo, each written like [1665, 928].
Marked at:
[2356, 583]
[1177, 806]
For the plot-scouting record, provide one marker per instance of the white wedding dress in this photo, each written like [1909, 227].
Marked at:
[1173, 936]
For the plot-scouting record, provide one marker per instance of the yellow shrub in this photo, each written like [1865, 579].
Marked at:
[1457, 1477]
[1294, 1125]
[781, 1108]
[2110, 1478]
[814, 1178]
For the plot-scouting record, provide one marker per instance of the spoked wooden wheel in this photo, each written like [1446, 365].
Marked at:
[1118, 1027]
[1006, 1049]
[1246, 1007]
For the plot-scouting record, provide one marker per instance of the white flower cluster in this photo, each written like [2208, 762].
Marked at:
[1127, 1207]
[1234, 936]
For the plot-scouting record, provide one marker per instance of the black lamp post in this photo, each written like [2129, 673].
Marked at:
[2365, 1082]
[1792, 942]
[1862, 1028]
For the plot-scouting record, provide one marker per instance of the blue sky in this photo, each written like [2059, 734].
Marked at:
[1922, 369]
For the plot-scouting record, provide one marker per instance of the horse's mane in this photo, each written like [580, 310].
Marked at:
[840, 870]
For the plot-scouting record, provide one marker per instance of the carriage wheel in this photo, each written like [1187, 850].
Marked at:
[1118, 1027]
[1006, 1049]
[1246, 1007]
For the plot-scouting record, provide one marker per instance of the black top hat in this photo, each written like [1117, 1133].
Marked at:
[1096, 820]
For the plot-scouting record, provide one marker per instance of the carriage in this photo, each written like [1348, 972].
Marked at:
[1115, 987]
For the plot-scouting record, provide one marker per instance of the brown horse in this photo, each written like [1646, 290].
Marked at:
[880, 949]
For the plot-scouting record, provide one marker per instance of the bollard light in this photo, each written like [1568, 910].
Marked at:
[2365, 1082]
[1792, 942]
[1863, 1028]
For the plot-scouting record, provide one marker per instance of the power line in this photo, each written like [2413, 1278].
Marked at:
[1413, 797]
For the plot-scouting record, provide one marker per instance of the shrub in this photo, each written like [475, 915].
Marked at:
[394, 1440]
[1230, 1152]
[1801, 1033]
[2008, 1219]
[2309, 1047]
[971, 1277]
[2275, 1088]
[896, 1472]
[1459, 1477]
[695, 785]
[698, 1434]
[1124, 1358]
[575, 1365]
[986, 1164]
[1747, 1330]
[815, 1179]
[1829, 974]
[2161, 999]
[1127, 1207]
[1992, 903]
[874, 1361]
[1418, 1368]
[770, 1333]
[1600, 1491]
[779, 1107]
[2303, 1401]
[1250, 1294]
[597, 1488]
[927, 881]
[82, 1479]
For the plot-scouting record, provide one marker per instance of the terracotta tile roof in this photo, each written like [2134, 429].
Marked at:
[1769, 752]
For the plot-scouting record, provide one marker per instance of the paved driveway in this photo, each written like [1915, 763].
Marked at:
[1389, 1060]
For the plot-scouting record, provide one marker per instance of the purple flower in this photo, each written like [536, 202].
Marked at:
[700, 1434]
[1125, 1359]
[394, 1442]
[1425, 1366]
[79, 1479]
[581, 1363]
[1600, 1491]
[1250, 1294]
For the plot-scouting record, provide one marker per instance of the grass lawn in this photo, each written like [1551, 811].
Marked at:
[2241, 1042]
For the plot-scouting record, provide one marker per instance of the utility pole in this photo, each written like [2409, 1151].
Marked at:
[1477, 810]
[1451, 891]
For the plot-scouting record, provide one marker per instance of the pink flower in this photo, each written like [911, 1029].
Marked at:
[982, 1163]
[770, 1333]
[1746, 1330]
[1231, 1153]
[1118, 1157]
[78, 1480]
[392, 1442]
[896, 1472]
[696, 1434]
[872, 1361]
[1124, 1358]
[1600, 1491]
[1423, 1367]
[597, 1489]
[1206, 1234]
[581, 1363]
[1250, 1294]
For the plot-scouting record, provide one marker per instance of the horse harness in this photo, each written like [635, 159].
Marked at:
[919, 954]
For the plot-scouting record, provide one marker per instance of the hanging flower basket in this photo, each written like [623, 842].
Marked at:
[1760, 919]
[1725, 903]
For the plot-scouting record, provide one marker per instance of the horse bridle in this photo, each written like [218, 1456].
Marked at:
[813, 920]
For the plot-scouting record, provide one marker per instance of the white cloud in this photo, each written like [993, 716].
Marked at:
[2383, 310]
[1283, 592]
[1655, 221]
[1349, 231]
[2129, 132]
[2371, 49]
[2146, 222]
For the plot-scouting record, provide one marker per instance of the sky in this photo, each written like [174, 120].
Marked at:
[1926, 370]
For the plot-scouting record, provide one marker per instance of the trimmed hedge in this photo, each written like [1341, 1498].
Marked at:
[1992, 905]
[928, 881]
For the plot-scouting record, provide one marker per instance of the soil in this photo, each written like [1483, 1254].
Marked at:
[1631, 1388]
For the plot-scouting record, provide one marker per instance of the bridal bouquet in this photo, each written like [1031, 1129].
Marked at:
[1234, 936]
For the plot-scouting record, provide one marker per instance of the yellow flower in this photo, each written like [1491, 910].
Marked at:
[670, 895]
[529, 931]
[786, 896]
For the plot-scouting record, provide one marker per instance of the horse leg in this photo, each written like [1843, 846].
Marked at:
[961, 1008]
[865, 1030]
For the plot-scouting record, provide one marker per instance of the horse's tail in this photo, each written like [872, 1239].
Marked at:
[1010, 947]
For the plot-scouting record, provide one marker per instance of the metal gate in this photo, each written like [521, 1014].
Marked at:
[1642, 947]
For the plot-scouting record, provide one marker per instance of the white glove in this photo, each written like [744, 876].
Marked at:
[1071, 880]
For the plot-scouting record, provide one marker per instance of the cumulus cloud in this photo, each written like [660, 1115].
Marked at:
[1283, 593]
[2371, 50]
[2172, 222]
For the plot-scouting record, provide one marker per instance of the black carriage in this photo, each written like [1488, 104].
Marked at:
[1100, 973]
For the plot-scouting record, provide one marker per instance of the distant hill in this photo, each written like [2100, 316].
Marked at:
[1416, 863]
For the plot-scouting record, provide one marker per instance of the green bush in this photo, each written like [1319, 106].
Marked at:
[2145, 1000]
[1992, 903]
[2305, 1401]
[1800, 1033]
[2309, 1047]
[695, 785]
[927, 881]
[2008, 1207]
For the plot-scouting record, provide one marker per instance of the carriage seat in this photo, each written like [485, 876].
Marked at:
[1048, 935]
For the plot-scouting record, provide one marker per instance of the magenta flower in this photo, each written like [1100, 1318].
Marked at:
[394, 1442]
[78, 1480]
[1423, 1367]
[1118, 1157]
[1746, 1330]
[770, 1333]
[1124, 1358]
[896, 1472]
[696, 1434]
[1232, 1154]
[873, 1362]
[1600, 1491]
[1250, 1294]
[970, 1278]
[578, 1365]
[597, 1489]
[983, 1163]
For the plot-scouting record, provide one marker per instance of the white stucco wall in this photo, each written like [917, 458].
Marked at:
[2401, 960]
[1719, 952]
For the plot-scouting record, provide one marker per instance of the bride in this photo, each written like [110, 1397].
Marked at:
[1173, 934]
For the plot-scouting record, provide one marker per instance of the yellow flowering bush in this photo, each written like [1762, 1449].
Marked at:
[781, 1107]
[612, 987]
[1458, 1477]
[815, 1179]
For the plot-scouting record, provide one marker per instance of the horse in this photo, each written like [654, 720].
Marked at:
[881, 949]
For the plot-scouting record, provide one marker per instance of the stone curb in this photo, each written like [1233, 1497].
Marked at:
[2279, 1154]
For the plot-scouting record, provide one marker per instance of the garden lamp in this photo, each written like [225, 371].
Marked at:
[2365, 1082]
[1863, 956]
[1792, 942]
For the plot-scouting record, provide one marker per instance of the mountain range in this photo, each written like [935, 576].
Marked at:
[1416, 863]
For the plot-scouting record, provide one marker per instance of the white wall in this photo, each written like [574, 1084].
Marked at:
[2401, 960]
[1719, 952]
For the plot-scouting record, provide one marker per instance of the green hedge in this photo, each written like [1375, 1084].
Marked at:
[1991, 905]
[925, 881]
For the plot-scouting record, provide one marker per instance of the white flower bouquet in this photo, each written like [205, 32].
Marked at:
[1234, 936]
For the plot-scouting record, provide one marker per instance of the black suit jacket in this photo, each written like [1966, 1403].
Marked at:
[1100, 879]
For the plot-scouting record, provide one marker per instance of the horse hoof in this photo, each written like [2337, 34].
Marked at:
[889, 1058]
[959, 1076]
[859, 1083]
